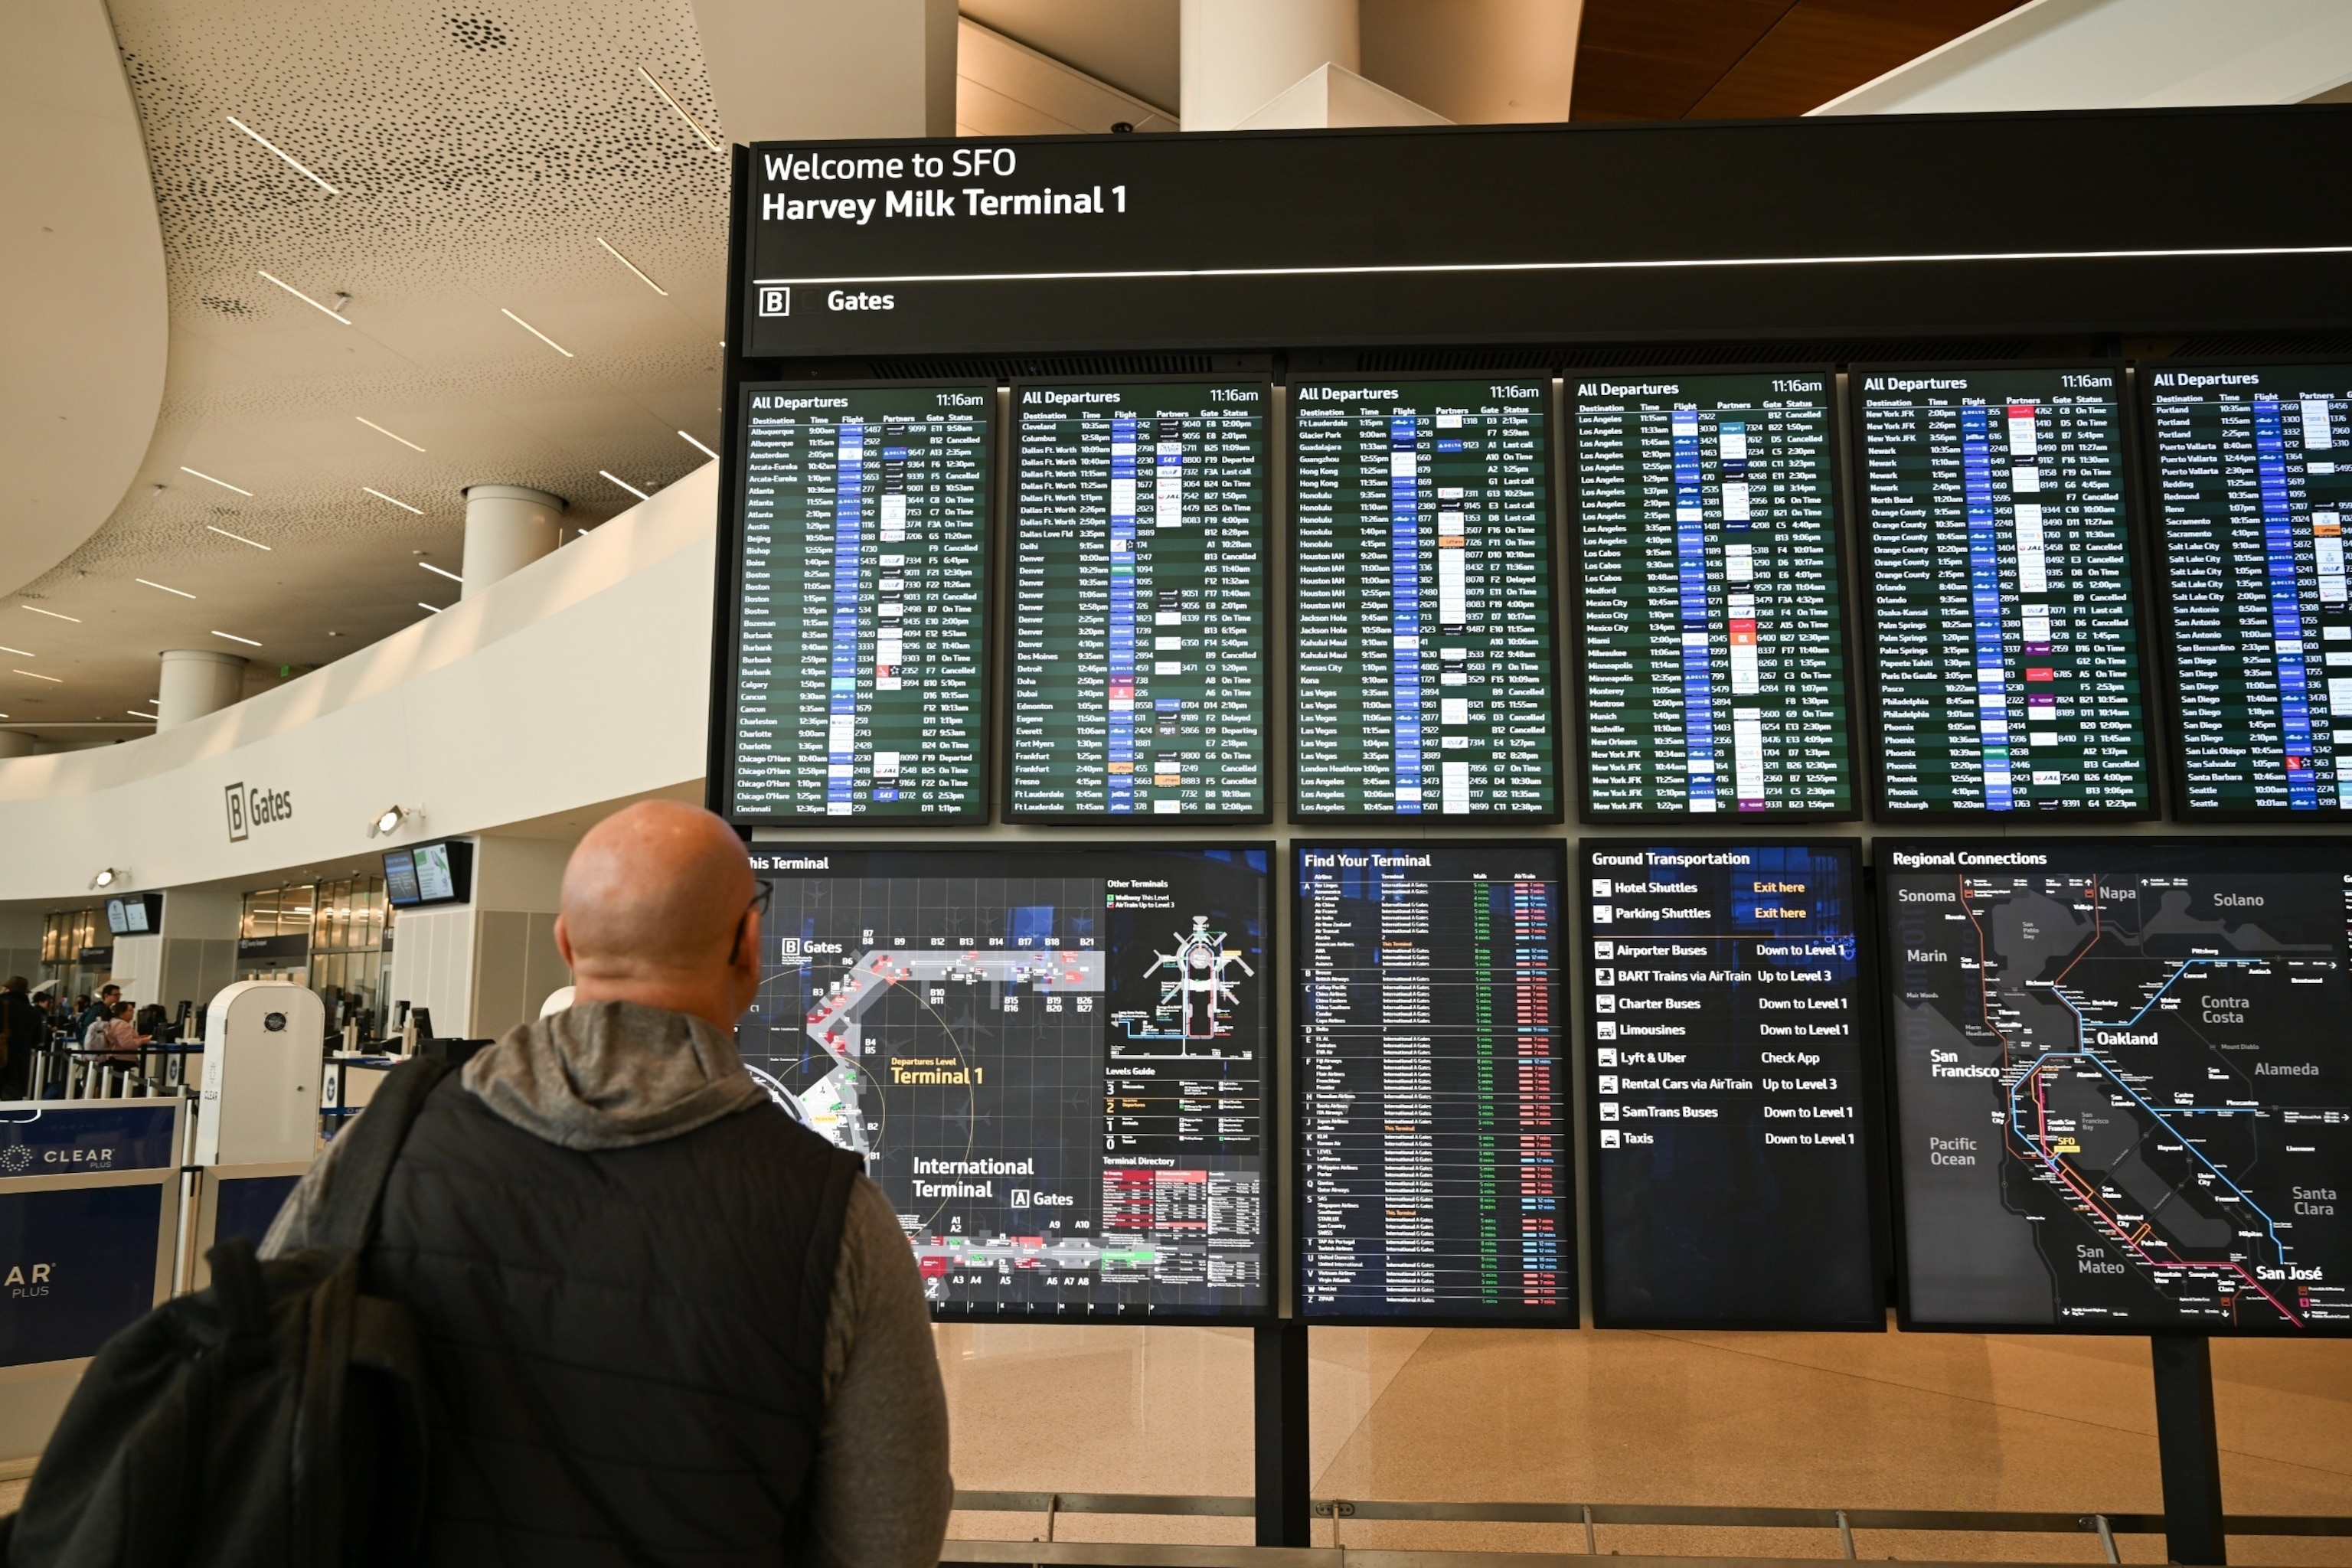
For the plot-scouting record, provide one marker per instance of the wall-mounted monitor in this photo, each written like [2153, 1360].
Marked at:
[2254, 469]
[1054, 1060]
[1424, 674]
[400, 879]
[2120, 1083]
[135, 914]
[1137, 669]
[1434, 1162]
[2007, 655]
[428, 874]
[1730, 1038]
[853, 676]
[1711, 625]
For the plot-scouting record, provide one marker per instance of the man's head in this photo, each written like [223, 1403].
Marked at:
[17, 983]
[108, 995]
[657, 911]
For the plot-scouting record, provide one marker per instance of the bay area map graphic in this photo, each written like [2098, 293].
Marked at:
[2123, 1083]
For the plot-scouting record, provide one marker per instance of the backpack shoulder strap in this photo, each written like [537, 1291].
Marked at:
[347, 1219]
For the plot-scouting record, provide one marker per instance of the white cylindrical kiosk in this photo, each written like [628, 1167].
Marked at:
[195, 682]
[508, 527]
[262, 1045]
[1237, 55]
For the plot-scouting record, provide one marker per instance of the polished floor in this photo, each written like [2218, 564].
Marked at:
[1943, 1421]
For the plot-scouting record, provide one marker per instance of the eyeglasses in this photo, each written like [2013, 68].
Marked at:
[758, 906]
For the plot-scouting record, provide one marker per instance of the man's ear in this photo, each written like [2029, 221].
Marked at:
[563, 945]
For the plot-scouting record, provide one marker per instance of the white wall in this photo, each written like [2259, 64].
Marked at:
[485, 966]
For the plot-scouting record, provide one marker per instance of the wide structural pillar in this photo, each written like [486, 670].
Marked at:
[1238, 55]
[16, 743]
[508, 527]
[788, 70]
[195, 682]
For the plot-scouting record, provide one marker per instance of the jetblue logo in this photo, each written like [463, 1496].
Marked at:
[775, 299]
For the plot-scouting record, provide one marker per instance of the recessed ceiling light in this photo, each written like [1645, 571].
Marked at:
[182, 592]
[692, 124]
[241, 538]
[234, 637]
[535, 333]
[281, 151]
[439, 572]
[326, 309]
[382, 431]
[136, 714]
[51, 614]
[633, 267]
[394, 500]
[52, 680]
[696, 445]
[210, 481]
[624, 485]
[20, 653]
[423, 605]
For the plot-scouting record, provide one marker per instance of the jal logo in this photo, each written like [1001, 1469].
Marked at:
[27, 1279]
[248, 808]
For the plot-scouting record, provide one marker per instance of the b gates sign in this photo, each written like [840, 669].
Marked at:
[248, 808]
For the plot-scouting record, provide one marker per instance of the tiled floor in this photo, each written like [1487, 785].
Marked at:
[1816, 1421]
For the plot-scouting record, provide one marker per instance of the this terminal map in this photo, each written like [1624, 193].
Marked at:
[1425, 674]
[1729, 1029]
[2006, 631]
[1139, 668]
[2123, 1097]
[1712, 628]
[1052, 1060]
[2254, 473]
[860, 615]
[1432, 1124]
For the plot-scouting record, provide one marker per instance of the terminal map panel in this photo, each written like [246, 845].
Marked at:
[1138, 684]
[2006, 639]
[1711, 624]
[1052, 1060]
[860, 604]
[2254, 480]
[1426, 671]
[2124, 1100]
[1730, 1028]
[1433, 1124]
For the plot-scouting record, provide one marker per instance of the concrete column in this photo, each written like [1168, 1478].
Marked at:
[787, 71]
[508, 527]
[195, 682]
[1237, 55]
[14, 743]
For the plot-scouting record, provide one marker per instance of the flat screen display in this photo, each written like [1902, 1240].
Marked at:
[1425, 674]
[1712, 629]
[1139, 601]
[1054, 1061]
[2253, 470]
[115, 922]
[434, 885]
[1433, 1138]
[1730, 1034]
[2005, 629]
[860, 604]
[134, 917]
[400, 888]
[2121, 1082]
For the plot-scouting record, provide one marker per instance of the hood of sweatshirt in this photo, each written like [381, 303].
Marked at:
[613, 1075]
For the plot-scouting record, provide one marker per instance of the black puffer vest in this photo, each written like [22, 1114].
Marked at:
[625, 1348]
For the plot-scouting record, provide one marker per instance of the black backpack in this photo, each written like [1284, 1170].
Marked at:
[275, 1419]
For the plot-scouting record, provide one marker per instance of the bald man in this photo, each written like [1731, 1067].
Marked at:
[661, 1321]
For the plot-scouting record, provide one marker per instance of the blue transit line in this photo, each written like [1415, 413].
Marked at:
[2157, 994]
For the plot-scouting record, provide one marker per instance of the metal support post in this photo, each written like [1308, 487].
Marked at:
[2188, 1453]
[1283, 1519]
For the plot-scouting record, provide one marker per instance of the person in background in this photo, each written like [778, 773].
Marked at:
[24, 1030]
[117, 1037]
[98, 1011]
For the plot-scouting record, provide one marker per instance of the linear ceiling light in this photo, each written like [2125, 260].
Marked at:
[423, 605]
[52, 680]
[382, 431]
[51, 614]
[289, 288]
[440, 572]
[182, 592]
[281, 151]
[692, 124]
[696, 445]
[241, 538]
[394, 500]
[632, 266]
[234, 637]
[535, 333]
[210, 481]
[624, 485]
[19, 652]
[136, 714]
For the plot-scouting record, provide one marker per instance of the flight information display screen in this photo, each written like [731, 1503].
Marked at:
[860, 604]
[1711, 621]
[1052, 1060]
[1139, 601]
[2121, 1092]
[1432, 1129]
[2005, 631]
[1731, 1035]
[1425, 668]
[2254, 479]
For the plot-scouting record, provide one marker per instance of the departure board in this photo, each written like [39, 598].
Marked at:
[1433, 1134]
[1711, 623]
[1053, 1061]
[2123, 1098]
[1730, 1032]
[2006, 639]
[1138, 684]
[2254, 479]
[860, 604]
[1424, 674]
